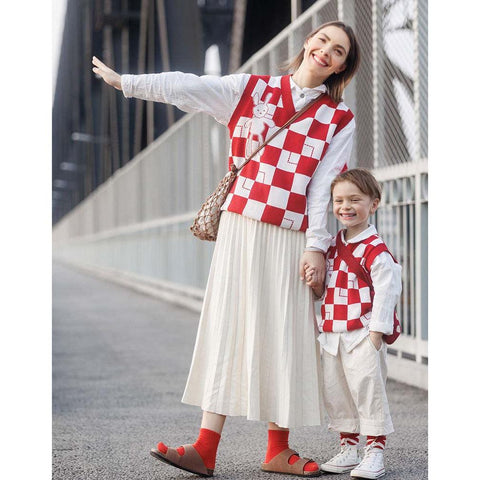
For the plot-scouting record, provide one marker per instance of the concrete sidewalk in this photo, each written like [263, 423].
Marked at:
[120, 362]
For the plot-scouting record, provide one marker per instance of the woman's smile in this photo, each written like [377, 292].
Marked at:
[320, 61]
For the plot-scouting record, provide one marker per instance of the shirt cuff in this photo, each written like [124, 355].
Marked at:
[314, 249]
[382, 321]
[386, 329]
[317, 242]
[126, 81]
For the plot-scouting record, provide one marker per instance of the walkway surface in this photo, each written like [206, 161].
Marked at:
[120, 361]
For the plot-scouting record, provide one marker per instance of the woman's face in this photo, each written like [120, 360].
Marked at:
[326, 52]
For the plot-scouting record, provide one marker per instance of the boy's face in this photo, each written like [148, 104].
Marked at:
[352, 207]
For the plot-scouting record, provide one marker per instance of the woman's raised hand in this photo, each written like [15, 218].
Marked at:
[109, 76]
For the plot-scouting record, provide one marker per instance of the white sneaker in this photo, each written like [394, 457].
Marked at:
[372, 464]
[348, 458]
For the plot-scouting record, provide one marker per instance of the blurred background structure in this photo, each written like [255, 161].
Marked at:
[129, 176]
[95, 131]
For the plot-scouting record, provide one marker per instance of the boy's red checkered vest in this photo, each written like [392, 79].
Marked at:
[272, 187]
[347, 303]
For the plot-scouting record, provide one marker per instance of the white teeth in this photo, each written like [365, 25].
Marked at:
[321, 62]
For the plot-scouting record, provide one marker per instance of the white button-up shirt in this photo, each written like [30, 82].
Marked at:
[218, 97]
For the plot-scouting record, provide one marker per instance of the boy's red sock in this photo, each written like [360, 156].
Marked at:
[380, 441]
[206, 445]
[349, 438]
[277, 443]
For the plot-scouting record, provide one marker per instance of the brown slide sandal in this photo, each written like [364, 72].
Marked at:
[279, 464]
[191, 461]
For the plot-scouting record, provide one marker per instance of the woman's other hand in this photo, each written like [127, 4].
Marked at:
[109, 76]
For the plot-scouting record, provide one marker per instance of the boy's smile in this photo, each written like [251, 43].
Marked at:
[352, 207]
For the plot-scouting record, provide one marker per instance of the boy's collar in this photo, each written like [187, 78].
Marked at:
[368, 232]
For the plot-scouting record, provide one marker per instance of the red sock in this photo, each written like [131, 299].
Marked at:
[349, 438]
[277, 443]
[206, 445]
[380, 440]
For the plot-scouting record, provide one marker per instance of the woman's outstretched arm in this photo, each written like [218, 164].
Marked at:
[216, 96]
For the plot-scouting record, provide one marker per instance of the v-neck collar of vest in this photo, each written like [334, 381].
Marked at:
[287, 93]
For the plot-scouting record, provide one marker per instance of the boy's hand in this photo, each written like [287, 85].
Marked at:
[377, 339]
[109, 76]
[315, 262]
[310, 280]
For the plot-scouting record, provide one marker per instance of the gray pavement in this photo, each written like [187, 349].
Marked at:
[120, 361]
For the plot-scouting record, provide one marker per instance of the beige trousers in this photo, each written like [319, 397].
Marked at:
[354, 389]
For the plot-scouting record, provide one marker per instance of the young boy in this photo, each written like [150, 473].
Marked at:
[353, 322]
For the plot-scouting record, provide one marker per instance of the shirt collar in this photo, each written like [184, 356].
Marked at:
[368, 232]
[320, 89]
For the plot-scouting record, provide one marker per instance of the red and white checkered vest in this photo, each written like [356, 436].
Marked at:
[347, 303]
[272, 187]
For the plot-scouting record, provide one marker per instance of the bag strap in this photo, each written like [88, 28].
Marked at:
[352, 262]
[235, 169]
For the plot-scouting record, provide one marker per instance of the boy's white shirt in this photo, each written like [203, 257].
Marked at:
[218, 97]
[387, 281]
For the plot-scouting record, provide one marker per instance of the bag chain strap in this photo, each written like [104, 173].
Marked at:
[236, 169]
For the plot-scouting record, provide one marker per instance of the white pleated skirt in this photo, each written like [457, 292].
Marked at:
[256, 353]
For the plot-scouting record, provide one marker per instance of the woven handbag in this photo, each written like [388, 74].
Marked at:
[205, 224]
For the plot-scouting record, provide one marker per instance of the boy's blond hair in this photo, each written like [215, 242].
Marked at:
[363, 179]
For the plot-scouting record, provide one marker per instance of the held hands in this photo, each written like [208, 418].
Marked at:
[312, 271]
[109, 76]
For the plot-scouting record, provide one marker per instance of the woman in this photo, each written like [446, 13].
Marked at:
[256, 353]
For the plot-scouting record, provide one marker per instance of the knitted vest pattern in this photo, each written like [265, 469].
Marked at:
[347, 303]
[272, 187]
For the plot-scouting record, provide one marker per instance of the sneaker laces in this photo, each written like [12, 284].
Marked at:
[344, 445]
[371, 454]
